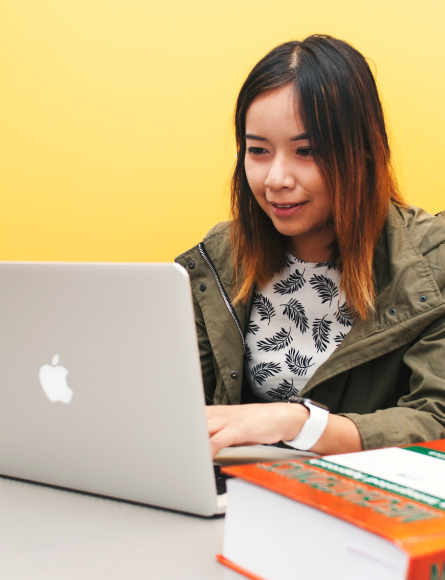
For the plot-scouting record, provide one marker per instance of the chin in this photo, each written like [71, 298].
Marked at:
[288, 231]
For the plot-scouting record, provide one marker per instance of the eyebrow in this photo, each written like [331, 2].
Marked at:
[296, 138]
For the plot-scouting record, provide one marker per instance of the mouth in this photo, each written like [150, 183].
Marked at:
[286, 209]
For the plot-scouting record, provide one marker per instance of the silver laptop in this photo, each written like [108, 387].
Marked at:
[101, 387]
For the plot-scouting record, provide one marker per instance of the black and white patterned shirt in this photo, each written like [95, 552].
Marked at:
[297, 321]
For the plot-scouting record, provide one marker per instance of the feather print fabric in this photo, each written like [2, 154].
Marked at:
[297, 321]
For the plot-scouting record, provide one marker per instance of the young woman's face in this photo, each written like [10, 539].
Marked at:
[284, 177]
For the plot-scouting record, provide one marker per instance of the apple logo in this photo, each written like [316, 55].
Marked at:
[53, 381]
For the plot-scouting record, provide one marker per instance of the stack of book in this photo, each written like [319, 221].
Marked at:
[374, 515]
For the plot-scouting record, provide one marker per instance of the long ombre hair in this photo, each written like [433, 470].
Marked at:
[341, 110]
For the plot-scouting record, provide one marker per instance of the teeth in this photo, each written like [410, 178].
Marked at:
[285, 206]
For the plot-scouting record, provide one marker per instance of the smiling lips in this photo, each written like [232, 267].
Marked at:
[286, 210]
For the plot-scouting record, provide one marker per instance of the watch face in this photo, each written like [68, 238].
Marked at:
[297, 399]
[305, 402]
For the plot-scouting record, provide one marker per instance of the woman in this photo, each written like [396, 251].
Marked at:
[325, 284]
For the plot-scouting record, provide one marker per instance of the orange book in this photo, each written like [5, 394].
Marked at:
[377, 515]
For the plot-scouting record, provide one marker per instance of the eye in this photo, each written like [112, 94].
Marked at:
[256, 150]
[305, 152]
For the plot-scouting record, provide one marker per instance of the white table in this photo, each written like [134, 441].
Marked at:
[48, 534]
[52, 534]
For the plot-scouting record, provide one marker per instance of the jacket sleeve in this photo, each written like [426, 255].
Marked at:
[205, 353]
[420, 414]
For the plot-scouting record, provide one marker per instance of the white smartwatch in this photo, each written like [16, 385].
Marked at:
[314, 426]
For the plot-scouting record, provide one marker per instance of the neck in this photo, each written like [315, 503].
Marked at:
[312, 250]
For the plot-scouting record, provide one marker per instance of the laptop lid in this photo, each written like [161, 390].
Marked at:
[101, 387]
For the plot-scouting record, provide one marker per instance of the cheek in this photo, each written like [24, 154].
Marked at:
[310, 178]
[316, 185]
[255, 177]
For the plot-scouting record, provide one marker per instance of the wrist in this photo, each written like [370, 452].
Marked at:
[314, 426]
[297, 415]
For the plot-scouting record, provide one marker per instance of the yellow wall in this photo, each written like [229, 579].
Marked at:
[115, 115]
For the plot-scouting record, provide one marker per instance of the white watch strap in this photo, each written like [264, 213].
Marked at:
[312, 430]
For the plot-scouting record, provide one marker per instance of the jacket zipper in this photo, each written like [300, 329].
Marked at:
[227, 302]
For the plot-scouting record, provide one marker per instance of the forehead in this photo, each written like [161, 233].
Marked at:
[272, 109]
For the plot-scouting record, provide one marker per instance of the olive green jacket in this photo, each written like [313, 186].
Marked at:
[388, 375]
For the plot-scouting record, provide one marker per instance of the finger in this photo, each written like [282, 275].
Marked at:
[221, 440]
[214, 426]
[216, 422]
[219, 419]
[230, 435]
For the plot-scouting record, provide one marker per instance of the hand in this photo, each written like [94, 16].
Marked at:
[233, 425]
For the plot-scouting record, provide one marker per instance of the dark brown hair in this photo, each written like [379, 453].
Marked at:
[340, 108]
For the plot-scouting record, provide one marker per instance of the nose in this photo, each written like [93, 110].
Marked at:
[280, 175]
